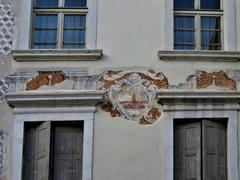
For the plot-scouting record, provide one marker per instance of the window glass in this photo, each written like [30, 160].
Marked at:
[210, 33]
[75, 3]
[74, 31]
[184, 32]
[183, 4]
[46, 3]
[210, 4]
[45, 31]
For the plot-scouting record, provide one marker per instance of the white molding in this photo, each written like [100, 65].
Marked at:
[53, 106]
[214, 56]
[57, 55]
[197, 94]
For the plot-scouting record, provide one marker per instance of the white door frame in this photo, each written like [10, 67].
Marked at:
[204, 105]
[53, 106]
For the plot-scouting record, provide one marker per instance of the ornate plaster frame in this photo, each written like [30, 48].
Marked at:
[200, 104]
[53, 106]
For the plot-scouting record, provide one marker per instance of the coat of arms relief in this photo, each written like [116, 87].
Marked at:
[131, 94]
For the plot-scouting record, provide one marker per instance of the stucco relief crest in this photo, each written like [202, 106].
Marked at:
[131, 95]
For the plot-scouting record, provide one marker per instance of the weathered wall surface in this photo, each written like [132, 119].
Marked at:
[130, 34]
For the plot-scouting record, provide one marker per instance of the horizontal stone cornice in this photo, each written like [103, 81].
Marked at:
[61, 98]
[214, 56]
[57, 55]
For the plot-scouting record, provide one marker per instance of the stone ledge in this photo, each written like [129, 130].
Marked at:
[197, 94]
[33, 55]
[213, 56]
[59, 98]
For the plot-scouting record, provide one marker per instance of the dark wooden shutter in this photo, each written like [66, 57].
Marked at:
[42, 151]
[187, 151]
[36, 152]
[68, 153]
[29, 154]
[214, 151]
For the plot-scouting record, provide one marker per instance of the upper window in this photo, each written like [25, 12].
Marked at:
[59, 24]
[197, 25]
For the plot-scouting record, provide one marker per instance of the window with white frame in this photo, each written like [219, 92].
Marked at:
[198, 25]
[59, 24]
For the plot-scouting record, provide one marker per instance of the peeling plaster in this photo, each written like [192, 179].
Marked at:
[45, 78]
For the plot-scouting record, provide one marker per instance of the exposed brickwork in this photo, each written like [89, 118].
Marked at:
[108, 107]
[45, 78]
[219, 79]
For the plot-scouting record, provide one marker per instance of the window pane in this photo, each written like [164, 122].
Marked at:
[183, 4]
[211, 47]
[210, 22]
[46, 3]
[210, 33]
[184, 32]
[184, 47]
[184, 37]
[45, 46]
[74, 36]
[73, 46]
[210, 4]
[45, 36]
[46, 21]
[211, 37]
[45, 32]
[74, 21]
[184, 22]
[74, 31]
[75, 3]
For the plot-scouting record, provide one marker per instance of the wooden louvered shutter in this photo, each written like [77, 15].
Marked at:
[187, 151]
[214, 151]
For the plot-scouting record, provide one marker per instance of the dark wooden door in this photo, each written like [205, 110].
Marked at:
[68, 153]
[37, 152]
[214, 151]
[187, 151]
[200, 151]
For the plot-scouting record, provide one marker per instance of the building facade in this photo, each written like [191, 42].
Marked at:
[119, 90]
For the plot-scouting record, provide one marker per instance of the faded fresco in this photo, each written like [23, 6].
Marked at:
[131, 95]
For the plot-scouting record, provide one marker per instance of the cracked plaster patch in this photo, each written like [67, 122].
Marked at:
[210, 80]
[7, 29]
[45, 79]
[131, 94]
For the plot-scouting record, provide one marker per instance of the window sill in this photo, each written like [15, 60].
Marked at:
[34, 55]
[213, 56]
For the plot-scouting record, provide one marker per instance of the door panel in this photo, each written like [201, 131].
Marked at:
[36, 152]
[42, 151]
[29, 153]
[68, 153]
[214, 150]
[187, 152]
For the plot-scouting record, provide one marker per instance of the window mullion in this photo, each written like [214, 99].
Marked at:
[197, 32]
[197, 4]
[61, 3]
[60, 30]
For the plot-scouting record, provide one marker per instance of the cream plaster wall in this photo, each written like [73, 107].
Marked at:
[125, 150]
[130, 34]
